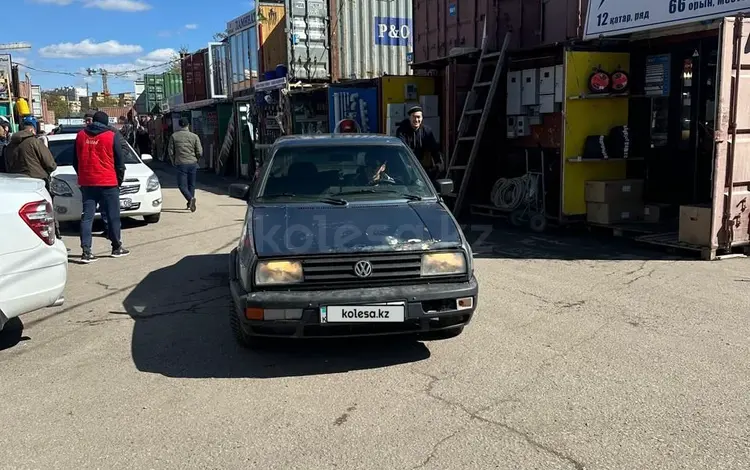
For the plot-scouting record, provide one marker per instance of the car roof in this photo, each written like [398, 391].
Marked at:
[55, 137]
[336, 139]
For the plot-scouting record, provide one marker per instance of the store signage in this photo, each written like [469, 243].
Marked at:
[615, 17]
[657, 75]
[241, 23]
[271, 84]
[392, 31]
[5, 76]
[358, 104]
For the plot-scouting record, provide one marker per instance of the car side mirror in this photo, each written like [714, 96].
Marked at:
[239, 191]
[146, 158]
[444, 186]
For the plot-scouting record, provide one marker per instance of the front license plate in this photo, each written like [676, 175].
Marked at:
[126, 203]
[383, 313]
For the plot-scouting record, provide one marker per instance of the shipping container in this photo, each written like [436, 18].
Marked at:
[370, 39]
[308, 40]
[272, 41]
[172, 84]
[194, 77]
[443, 27]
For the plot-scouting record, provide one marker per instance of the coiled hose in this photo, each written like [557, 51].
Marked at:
[509, 193]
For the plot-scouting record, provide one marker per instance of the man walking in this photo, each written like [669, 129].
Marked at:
[100, 165]
[27, 155]
[184, 151]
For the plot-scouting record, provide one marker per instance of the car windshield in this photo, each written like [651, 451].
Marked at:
[344, 171]
[62, 150]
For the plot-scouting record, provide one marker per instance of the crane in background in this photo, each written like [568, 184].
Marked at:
[15, 46]
[103, 73]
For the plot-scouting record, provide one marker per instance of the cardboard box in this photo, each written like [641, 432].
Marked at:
[695, 225]
[430, 105]
[614, 191]
[612, 213]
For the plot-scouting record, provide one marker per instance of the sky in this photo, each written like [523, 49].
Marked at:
[125, 37]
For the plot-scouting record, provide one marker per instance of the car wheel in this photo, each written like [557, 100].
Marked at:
[152, 219]
[242, 338]
[443, 334]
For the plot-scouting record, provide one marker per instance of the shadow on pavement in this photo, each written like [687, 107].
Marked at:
[501, 241]
[12, 334]
[181, 315]
[206, 180]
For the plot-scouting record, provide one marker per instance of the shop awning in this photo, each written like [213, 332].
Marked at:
[196, 105]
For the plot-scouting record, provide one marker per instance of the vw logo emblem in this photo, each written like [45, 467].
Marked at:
[363, 268]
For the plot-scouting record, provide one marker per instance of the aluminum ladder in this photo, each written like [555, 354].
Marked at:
[459, 167]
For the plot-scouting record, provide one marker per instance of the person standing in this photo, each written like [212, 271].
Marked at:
[4, 140]
[184, 151]
[420, 139]
[27, 155]
[99, 163]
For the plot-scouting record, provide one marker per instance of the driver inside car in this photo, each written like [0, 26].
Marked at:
[375, 170]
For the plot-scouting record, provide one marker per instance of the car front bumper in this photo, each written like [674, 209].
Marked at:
[69, 209]
[296, 314]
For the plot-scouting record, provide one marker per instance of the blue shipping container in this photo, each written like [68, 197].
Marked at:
[359, 104]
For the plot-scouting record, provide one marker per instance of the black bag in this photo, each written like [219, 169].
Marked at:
[619, 142]
[595, 147]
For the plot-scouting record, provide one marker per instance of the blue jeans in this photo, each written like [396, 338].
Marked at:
[186, 179]
[108, 199]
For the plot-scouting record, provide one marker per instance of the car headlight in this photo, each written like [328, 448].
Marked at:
[442, 264]
[153, 183]
[278, 272]
[60, 188]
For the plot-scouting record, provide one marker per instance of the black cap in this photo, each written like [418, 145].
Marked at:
[183, 122]
[89, 114]
[101, 117]
[414, 109]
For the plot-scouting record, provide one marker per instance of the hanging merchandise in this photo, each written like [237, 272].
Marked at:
[619, 81]
[599, 81]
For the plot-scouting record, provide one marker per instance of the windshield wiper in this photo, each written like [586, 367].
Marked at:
[411, 197]
[327, 200]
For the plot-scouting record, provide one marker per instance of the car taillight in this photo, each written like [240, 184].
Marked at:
[40, 219]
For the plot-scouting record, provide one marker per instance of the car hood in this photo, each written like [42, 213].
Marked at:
[296, 230]
[132, 170]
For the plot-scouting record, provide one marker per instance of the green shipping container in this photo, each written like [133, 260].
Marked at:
[172, 84]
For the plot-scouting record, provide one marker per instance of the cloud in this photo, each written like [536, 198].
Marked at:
[88, 48]
[118, 5]
[164, 34]
[191, 26]
[154, 62]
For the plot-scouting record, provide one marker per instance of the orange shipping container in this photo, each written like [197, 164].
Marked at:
[272, 40]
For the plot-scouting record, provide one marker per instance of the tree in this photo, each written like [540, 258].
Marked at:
[176, 66]
[58, 104]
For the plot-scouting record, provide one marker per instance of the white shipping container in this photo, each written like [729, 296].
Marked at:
[371, 39]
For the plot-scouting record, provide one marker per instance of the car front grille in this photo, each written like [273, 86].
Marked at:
[130, 189]
[387, 269]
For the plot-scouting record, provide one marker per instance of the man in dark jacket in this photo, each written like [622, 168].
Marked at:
[4, 140]
[420, 139]
[27, 155]
[99, 163]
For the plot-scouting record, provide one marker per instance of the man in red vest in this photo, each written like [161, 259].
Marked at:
[100, 165]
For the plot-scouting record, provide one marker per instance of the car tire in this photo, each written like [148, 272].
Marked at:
[243, 339]
[443, 334]
[152, 219]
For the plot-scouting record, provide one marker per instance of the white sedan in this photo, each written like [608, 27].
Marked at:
[33, 263]
[140, 193]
